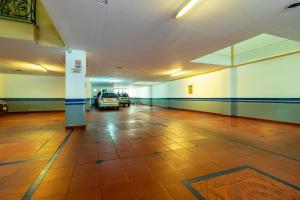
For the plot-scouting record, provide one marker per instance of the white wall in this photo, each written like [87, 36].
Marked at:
[277, 78]
[160, 90]
[88, 88]
[27, 86]
[212, 85]
[139, 91]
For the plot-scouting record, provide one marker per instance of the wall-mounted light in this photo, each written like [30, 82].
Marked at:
[186, 8]
[178, 73]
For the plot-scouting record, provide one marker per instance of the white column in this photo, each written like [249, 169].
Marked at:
[75, 88]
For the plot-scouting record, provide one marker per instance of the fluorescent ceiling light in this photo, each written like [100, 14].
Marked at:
[115, 81]
[144, 83]
[178, 73]
[43, 68]
[186, 8]
[106, 80]
[101, 1]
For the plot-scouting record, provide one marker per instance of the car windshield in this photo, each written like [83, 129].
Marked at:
[123, 95]
[109, 95]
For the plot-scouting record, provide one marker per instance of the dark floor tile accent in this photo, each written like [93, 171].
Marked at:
[28, 195]
[20, 161]
[99, 161]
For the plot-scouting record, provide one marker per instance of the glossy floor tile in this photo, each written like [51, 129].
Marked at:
[145, 152]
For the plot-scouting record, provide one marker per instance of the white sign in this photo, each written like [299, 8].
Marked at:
[77, 68]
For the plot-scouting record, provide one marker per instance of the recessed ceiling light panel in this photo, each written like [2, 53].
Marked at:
[101, 1]
[178, 73]
[119, 67]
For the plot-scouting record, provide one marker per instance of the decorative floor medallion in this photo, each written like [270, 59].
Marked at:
[242, 183]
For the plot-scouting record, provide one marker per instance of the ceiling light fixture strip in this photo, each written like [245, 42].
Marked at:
[186, 8]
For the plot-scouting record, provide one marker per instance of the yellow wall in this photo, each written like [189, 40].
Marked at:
[2, 86]
[44, 33]
[17, 30]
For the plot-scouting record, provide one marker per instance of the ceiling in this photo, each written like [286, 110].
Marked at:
[263, 46]
[26, 55]
[143, 38]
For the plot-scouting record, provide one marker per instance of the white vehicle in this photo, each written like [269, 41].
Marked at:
[108, 100]
[124, 99]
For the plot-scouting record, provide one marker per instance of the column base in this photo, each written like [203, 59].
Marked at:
[75, 115]
[81, 127]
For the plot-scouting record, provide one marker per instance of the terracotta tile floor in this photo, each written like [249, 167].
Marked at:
[140, 153]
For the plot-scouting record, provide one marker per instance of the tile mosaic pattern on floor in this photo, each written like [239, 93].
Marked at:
[241, 183]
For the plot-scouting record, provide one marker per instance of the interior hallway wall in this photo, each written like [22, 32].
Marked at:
[32, 93]
[264, 90]
[2, 86]
[95, 88]
[270, 89]
[140, 94]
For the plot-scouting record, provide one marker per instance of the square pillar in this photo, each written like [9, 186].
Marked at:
[75, 88]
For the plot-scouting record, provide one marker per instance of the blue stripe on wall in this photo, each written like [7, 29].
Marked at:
[75, 101]
[32, 99]
[254, 100]
[67, 101]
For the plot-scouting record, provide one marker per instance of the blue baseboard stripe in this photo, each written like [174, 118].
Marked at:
[75, 101]
[67, 101]
[83, 100]
[252, 100]
[32, 99]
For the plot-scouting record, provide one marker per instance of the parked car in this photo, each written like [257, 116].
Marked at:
[96, 100]
[124, 99]
[3, 107]
[108, 100]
